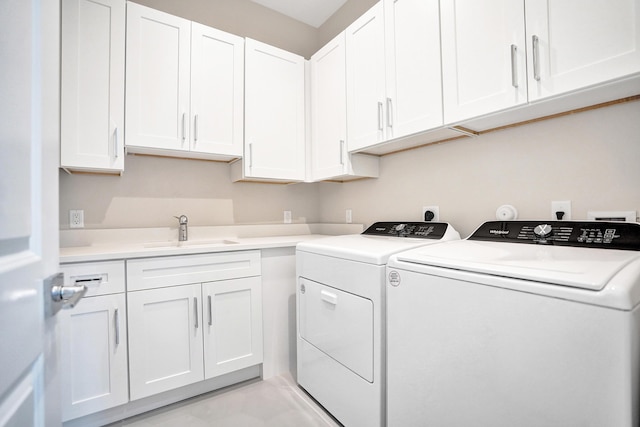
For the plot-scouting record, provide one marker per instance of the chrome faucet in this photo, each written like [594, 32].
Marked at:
[182, 231]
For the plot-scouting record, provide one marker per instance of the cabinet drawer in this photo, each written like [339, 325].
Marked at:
[101, 278]
[149, 273]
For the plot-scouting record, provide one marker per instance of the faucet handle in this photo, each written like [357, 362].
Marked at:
[182, 218]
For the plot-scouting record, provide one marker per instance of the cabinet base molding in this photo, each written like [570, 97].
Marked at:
[163, 399]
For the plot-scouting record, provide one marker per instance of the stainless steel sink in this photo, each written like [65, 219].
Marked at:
[190, 243]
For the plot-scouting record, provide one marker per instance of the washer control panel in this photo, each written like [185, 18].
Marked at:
[420, 230]
[590, 234]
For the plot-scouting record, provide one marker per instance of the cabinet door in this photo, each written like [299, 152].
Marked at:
[157, 73]
[93, 350]
[233, 328]
[165, 339]
[92, 79]
[580, 43]
[329, 110]
[483, 57]
[274, 113]
[414, 78]
[217, 91]
[366, 79]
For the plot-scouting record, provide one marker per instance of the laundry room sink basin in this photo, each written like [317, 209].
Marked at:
[190, 243]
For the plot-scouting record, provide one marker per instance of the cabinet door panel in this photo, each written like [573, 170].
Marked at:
[94, 356]
[581, 43]
[274, 113]
[158, 62]
[366, 79]
[165, 346]
[92, 80]
[477, 68]
[414, 79]
[217, 91]
[233, 330]
[329, 110]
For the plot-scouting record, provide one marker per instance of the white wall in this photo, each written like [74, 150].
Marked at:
[591, 158]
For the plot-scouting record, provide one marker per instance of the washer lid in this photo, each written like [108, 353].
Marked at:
[371, 249]
[583, 268]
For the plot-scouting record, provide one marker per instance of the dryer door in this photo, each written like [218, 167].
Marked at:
[338, 323]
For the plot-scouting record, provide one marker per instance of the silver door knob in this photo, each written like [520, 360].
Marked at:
[67, 295]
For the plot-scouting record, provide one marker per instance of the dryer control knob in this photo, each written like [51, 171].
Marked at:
[543, 230]
[400, 227]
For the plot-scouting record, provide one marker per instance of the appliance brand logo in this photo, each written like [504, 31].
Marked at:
[499, 232]
[394, 278]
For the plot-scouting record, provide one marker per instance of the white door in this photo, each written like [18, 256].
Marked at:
[157, 75]
[233, 325]
[274, 113]
[92, 117]
[483, 57]
[217, 91]
[29, 137]
[165, 339]
[580, 43]
[414, 77]
[366, 79]
[329, 110]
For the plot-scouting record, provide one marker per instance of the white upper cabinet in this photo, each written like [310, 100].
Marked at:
[274, 113]
[393, 72]
[158, 58]
[413, 66]
[184, 87]
[574, 44]
[328, 110]
[483, 57]
[366, 79]
[217, 91]
[92, 85]
[329, 155]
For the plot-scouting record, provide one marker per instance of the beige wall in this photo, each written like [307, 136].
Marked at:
[340, 20]
[590, 158]
[154, 189]
[247, 19]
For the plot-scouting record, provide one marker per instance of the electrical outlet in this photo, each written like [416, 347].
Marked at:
[434, 209]
[348, 216]
[287, 217]
[561, 206]
[76, 218]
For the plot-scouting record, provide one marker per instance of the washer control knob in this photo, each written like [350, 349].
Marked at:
[543, 230]
[400, 227]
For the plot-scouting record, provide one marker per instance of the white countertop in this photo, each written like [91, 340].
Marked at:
[113, 244]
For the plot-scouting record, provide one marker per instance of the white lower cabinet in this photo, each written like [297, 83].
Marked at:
[93, 341]
[232, 325]
[165, 339]
[192, 318]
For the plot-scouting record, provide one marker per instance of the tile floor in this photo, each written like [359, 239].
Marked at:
[276, 402]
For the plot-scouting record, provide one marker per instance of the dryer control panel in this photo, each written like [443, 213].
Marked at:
[589, 234]
[420, 230]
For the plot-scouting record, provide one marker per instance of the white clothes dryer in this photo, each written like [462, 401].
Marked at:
[522, 324]
[340, 316]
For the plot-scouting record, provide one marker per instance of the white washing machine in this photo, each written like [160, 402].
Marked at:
[522, 324]
[340, 307]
